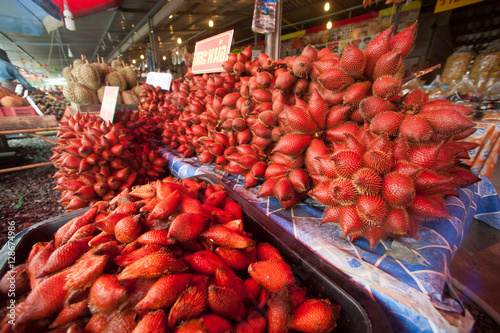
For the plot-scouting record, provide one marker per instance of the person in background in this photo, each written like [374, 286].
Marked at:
[9, 73]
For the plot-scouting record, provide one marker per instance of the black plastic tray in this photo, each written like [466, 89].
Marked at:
[360, 312]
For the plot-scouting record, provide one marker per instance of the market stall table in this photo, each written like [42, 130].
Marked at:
[408, 279]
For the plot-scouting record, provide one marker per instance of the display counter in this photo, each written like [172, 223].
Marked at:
[408, 278]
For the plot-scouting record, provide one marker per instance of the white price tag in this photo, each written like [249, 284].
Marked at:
[162, 80]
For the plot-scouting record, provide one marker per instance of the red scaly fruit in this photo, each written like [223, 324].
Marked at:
[266, 189]
[388, 65]
[106, 293]
[367, 181]
[236, 259]
[408, 169]
[292, 144]
[166, 207]
[316, 315]
[316, 148]
[164, 292]
[233, 208]
[447, 121]
[355, 93]
[266, 251]
[337, 115]
[21, 283]
[379, 46]
[44, 300]
[386, 86]
[128, 228]
[191, 326]
[405, 40]
[223, 236]
[428, 179]
[190, 205]
[153, 265]
[215, 324]
[463, 177]
[373, 234]
[302, 67]
[372, 208]
[428, 207]
[425, 155]
[350, 221]
[283, 190]
[272, 274]
[296, 120]
[373, 105]
[65, 256]
[159, 237]
[398, 190]
[338, 133]
[322, 65]
[322, 194]
[346, 163]
[400, 149]
[280, 311]
[378, 160]
[300, 87]
[285, 81]
[332, 215]
[311, 52]
[332, 97]
[318, 109]
[204, 262]
[353, 145]
[415, 129]
[335, 79]
[187, 226]
[224, 302]
[190, 304]
[70, 313]
[154, 321]
[396, 222]
[353, 61]
[343, 192]
[387, 122]
[414, 100]
[300, 180]
[254, 322]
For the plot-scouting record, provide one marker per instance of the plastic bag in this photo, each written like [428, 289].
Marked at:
[436, 90]
[456, 65]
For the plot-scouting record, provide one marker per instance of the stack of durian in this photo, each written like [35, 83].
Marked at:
[86, 81]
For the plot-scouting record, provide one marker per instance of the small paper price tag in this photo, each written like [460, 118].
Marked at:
[108, 106]
[162, 80]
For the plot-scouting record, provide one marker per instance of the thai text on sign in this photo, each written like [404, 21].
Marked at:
[210, 53]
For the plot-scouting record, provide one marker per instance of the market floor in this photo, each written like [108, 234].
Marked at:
[475, 267]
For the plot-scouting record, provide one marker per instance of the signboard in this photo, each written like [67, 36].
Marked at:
[163, 80]
[443, 5]
[210, 53]
[108, 105]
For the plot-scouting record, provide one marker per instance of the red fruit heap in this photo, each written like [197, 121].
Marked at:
[332, 128]
[166, 256]
[97, 159]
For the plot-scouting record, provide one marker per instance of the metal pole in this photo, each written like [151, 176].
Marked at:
[273, 40]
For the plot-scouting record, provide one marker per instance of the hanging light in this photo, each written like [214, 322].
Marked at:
[179, 40]
[211, 23]
[329, 25]
[133, 61]
[68, 17]
[164, 58]
[170, 16]
[327, 6]
[142, 56]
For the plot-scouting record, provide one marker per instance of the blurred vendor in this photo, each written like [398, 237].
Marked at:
[9, 73]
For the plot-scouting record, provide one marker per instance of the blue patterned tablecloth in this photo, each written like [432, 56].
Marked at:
[407, 278]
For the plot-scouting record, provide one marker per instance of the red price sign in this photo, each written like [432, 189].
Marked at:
[210, 53]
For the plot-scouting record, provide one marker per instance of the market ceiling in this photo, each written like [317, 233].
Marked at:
[121, 27]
